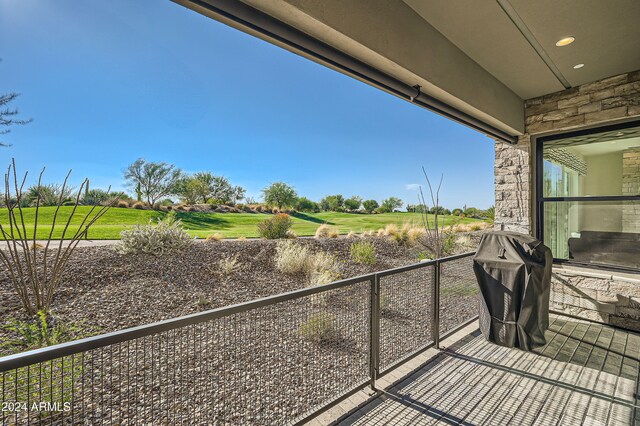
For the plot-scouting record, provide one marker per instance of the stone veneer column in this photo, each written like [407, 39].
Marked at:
[512, 186]
[603, 296]
[631, 186]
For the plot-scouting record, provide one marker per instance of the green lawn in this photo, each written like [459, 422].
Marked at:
[230, 225]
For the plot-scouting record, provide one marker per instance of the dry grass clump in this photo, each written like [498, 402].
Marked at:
[351, 234]
[407, 234]
[242, 238]
[122, 204]
[326, 231]
[214, 237]
[319, 268]
[319, 328]
[471, 227]
[139, 205]
[229, 264]
[291, 258]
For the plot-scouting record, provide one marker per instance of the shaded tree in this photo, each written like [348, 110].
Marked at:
[304, 204]
[353, 203]
[280, 194]
[152, 181]
[332, 203]
[391, 204]
[370, 205]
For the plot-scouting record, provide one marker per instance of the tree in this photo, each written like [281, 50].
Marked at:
[8, 115]
[191, 190]
[332, 203]
[391, 204]
[490, 213]
[353, 203]
[152, 180]
[415, 208]
[237, 194]
[280, 194]
[221, 190]
[370, 205]
[303, 204]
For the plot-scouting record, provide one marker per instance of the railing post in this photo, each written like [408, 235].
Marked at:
[436, 304]
[374, 346]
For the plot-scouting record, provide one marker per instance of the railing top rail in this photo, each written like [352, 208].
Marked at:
[23, 359]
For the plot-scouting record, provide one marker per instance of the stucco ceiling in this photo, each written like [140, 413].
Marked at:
[607, 36]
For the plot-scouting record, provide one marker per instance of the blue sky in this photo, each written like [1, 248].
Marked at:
[108, 82]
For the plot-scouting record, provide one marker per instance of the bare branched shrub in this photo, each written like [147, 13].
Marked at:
[433, 238]
[36, 269]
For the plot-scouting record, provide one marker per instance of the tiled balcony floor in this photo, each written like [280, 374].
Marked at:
[586, 374]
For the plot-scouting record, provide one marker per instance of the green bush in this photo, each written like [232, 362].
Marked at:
[320, 327]
[275, 227]
[363, 252]
[96, 197]
[38, 333]
[159, 238]
[303, 204]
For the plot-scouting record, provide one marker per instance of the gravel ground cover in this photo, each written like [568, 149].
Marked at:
[255, 367]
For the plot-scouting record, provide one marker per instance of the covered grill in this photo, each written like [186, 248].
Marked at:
[514, 274]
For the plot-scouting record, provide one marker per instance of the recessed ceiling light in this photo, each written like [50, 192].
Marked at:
[565, 41]
[578, 66]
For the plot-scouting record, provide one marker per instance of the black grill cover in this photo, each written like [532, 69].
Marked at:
[514, 274]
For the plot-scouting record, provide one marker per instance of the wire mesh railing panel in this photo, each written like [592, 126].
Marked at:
[459, 293]
[267, 365]
[406, 313]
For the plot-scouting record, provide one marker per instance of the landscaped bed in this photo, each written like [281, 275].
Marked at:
[261, 366]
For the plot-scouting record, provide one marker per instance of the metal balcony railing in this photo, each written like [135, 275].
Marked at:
[275, 360]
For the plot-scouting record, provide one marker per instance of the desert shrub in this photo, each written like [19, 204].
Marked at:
[320, 327]
[292, 258]
[203, 301]
[391, 230]
[95, 197]
[165, 236]
[229, 264]
[326, 231]
[275, 227]
[449, 240]
[464, 242]
[384, 304]
[321, 261]
[323, 277]
[122, 204]
[214, 237]
[139, 205]
[363, 252]
[39, 332]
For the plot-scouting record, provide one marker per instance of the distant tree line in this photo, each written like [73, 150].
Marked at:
[160, 183]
